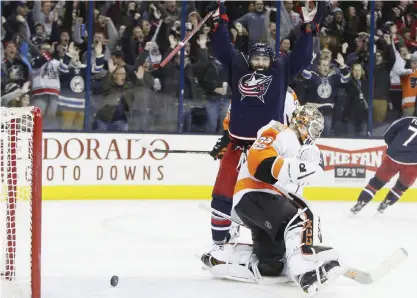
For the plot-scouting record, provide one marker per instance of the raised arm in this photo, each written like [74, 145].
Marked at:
[222, 47]
[301, 55]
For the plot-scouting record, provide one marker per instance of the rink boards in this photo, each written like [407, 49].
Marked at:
[108, 166]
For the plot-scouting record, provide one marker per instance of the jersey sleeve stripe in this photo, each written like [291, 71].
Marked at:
[256, 157]
[276, 167]
[226, 120]
[264, 173]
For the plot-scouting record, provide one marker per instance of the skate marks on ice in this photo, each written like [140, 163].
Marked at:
[159, 287]
[151, 246]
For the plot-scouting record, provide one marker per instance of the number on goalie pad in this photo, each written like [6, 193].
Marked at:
[313, 227]
[238, 262]
[313, 267]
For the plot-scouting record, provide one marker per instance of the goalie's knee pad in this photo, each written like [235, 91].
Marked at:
[235, 262]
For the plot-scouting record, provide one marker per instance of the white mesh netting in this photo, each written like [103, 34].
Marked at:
[16, 155]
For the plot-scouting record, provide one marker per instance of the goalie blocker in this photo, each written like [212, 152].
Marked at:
[285, 248]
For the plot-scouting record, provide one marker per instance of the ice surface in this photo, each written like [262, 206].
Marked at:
[151, 246]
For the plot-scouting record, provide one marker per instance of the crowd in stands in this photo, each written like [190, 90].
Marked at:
[46, 63]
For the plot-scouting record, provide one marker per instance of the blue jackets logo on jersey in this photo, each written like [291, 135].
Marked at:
[254, 85]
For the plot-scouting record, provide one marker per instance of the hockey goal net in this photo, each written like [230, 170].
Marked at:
[20, 202]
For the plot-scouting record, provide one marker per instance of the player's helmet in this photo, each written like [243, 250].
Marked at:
[262, 49]
[309, 122]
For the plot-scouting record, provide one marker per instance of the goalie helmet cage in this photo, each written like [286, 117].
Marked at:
[20, 202]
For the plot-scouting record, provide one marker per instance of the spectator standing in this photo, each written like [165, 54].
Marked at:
[71, 105]
[215, 87]
[46, 85]
[322, 87]
[409, 86]
[384, 61]
[356, 107]
[254, 22]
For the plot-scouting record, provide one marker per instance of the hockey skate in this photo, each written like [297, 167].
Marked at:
[383, 206]
[358, 207]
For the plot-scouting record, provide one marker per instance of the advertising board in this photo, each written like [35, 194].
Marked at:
[117, 166]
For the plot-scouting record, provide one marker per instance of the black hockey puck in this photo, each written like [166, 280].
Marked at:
[114, 280]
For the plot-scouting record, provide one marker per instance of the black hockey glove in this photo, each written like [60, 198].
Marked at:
[213, 5]
[221, 145]
[216, 18]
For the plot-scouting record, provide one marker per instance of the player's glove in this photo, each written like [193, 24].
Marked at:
[219, 16]
[221, 145]
[213, 5]
[312, 20]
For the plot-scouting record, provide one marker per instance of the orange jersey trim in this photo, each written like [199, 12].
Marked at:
[226, 121]
[276, 168]
[409, 105]
[249, 183]
[408, 90]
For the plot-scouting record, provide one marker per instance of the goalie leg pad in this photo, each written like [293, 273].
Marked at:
[236, 263]
[300, 262]
[312, 267]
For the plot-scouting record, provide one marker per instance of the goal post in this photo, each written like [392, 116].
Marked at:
[20, 202]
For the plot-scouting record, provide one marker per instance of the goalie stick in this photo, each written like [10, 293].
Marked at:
[153, 149]
[353, 273]
[181, 151]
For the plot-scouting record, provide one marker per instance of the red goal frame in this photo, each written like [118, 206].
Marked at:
[36, 201]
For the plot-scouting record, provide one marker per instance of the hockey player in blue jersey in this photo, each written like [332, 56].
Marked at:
[401, 157]
[259, 84]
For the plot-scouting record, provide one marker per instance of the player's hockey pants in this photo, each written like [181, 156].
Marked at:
[267, 216]
[389, 168]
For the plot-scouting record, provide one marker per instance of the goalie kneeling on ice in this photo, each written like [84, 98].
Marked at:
[239, 263]
[303, 260]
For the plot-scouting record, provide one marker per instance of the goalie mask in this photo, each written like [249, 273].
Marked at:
[309, 122]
